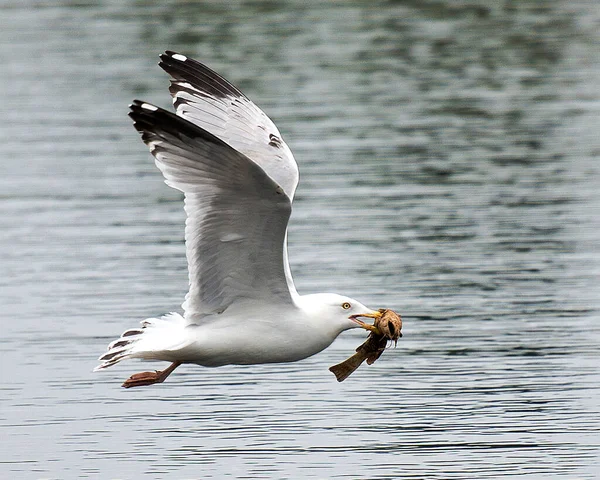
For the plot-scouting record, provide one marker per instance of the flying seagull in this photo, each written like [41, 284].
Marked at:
[238, 177]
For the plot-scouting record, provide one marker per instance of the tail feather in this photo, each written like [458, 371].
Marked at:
[118, 343]
[154, 340]
[135, 331]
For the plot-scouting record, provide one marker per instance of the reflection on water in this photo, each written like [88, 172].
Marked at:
[448, 155]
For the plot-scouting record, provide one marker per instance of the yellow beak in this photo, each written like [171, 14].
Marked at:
[366, 326]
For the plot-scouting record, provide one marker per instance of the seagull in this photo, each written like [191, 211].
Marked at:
[238, 178]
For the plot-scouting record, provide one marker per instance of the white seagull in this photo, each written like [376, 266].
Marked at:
[239, 178]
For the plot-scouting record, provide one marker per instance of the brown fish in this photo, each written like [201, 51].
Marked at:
[387, 326]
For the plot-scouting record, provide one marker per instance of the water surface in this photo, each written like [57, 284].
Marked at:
[449, 170]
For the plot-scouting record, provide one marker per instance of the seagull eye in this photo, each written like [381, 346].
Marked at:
[346, 305]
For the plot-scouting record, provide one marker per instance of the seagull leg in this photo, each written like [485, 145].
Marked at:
[150, 378]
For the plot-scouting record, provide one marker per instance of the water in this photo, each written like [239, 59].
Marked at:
[449, 162]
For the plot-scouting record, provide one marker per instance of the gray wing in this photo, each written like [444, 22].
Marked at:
[206, 99]
[237, 215]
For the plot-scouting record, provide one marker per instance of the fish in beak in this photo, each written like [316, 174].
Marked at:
[387, 323]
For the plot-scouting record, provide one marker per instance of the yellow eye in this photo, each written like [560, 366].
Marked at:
[346, 305]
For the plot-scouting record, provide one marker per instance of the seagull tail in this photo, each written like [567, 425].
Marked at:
[157, 339]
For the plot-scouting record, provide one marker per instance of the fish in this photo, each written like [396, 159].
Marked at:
[387, 326]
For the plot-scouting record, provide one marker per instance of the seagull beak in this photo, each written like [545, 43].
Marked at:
[372, 328]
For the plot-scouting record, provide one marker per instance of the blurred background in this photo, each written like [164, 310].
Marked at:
[448, 153]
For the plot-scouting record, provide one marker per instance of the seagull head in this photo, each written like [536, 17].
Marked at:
[339, 311]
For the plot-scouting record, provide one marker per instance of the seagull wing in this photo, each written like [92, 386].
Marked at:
[206, 99]
[237, 215]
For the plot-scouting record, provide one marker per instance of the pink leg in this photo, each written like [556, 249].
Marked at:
[150, 378]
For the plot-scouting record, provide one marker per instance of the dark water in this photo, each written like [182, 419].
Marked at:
[449, 160]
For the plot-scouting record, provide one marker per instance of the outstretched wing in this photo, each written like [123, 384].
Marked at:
[237, 214]
[206, 99]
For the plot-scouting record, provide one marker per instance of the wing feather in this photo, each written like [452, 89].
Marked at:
[206, 99]
[237, 215]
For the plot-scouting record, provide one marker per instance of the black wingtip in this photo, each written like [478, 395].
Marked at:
[183, 68]
[142, 115]
[151, 120]
[169, 56]
[135, 104]
[171, 59]
[139, 109]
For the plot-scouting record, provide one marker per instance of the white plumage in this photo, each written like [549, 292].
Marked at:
[239, 178]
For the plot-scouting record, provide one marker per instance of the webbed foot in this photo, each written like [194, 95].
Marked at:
[149, 378]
